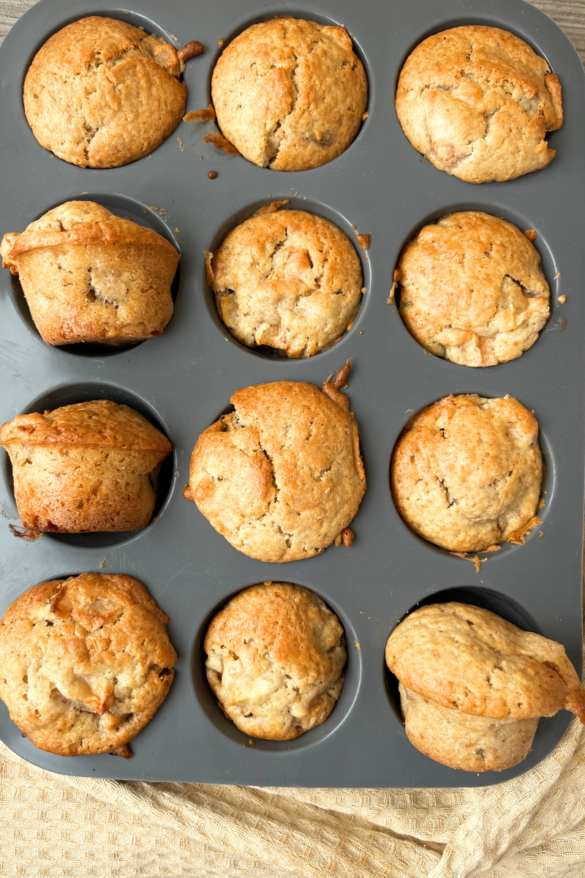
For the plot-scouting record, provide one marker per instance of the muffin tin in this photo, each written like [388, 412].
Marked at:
[183, 380]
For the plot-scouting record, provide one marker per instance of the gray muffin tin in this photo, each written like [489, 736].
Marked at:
[183, 380]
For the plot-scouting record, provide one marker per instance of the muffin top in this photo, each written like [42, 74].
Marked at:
[274, 659]
[86, 662]
[478, 103]
[473, 290]
[101, 93]
[281, 476]
[100, 423]
[81, 223]
[466, 472]
[287, 279]
[290, 94]
[469, 659]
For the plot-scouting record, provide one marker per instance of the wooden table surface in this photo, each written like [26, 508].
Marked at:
[569, 14]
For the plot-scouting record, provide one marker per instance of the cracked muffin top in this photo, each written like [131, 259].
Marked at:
[287, 279]
[280, 477]
[468, 659]
[466, 473]
[101, 93]
[477, 102]
[86, 663]
[473, 290]
[290, 94]
[275, 656]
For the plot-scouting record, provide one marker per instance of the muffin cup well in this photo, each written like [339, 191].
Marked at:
[161, 484]
[352, 672]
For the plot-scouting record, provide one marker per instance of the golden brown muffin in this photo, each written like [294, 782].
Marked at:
[275, 656]
[281, 477]
[86, 663]
[101, 93]
[287, 279]
[477, 102]
[89, 275]
[466, 473]
[473, 290]
[290, 94]
[472, 686]
[87, 467]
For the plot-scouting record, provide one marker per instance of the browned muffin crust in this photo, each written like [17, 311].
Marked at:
[275, 656]
[468, 659]
[466, 473]
[91, 276]
[473, 290]
[85, 663]
[287, 279]
[281, 477]
[478, 103]
[87, 467]
[101, 93]
[290, 94]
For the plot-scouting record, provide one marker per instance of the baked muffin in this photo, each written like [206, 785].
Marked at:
[89, 275]
[102, 93]
[473, 686]
[92, 466]
[290, 94]
[466, 473]
[287, 279]
[473, 290]
[280, 477]
[86, 663]
[275, 656]
[478, 103]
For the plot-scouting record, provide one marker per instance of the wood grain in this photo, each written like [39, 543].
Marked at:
[569, 14]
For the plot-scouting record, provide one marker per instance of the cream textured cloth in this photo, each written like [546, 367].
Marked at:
[67, 826]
